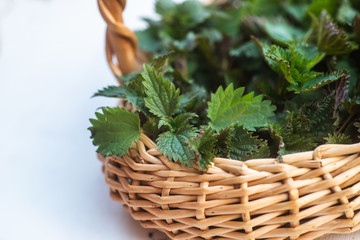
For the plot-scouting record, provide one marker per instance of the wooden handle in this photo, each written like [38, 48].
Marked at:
[121, 42]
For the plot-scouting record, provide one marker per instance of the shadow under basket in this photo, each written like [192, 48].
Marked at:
[304, 196]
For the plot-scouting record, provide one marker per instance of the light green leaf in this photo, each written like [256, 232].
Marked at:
[164, 7]
[281, 32]
[335, 138]
[231, 106]
[114, 131]
[162, 96]
[148, 40]
[317, 6]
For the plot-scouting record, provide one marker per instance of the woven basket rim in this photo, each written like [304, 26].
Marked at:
[315, 156]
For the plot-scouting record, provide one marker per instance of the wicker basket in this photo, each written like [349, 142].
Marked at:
[304, 196]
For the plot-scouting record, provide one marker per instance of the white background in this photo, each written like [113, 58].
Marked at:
[51, 61]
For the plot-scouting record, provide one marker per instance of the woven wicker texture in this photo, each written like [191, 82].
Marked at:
[303, 196]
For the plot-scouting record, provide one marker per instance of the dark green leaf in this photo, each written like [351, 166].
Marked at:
[204, 147]
[114, 131]
[174, 146]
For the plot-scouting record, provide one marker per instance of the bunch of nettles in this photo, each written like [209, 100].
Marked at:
[241, 80]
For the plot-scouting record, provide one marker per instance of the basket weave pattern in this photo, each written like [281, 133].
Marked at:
[302, 196]
[305, 196]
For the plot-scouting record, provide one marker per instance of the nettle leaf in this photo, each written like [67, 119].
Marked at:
[335, 138]
[231, 106]
[164, 7]
[329, 37]
[352, 106]
[305, 56]
[319, 81]
[111, 91]
[148, 40]
[296, 133]
[282, 32]
[150, 127]
[224, 141]
[346, 13]
[162, 96]
[136, 98]
[317, 6]
[114, 131]
[161, 62]
[262, 152]
[173, 145]
[295, 65]
[204, 147]
[134, 81]
[243, 144]
[321, 116]
[248, 49]
[296, 10]
[192, 13]
[177, 123]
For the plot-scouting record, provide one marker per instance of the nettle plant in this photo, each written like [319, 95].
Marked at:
[240, 80]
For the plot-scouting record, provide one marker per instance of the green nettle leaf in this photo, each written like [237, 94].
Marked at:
[178, 123]
[243, 143]
[148, 40]
[224, 137]
[346, 13]
[317, 6]
[296, 133]
[295, 63]
[329, 37]
[114, 131]
[319, 81]
[162, 96]
[136, 98]
[337, 139]
[281, 32]
[231, 106]
[191, 13]
[150, 127]
[161, 62]
[321, 116]
[352, 106]
[262, 152]
[111, 91]
[174, 145]
[247, 49]
[164, 7]
[204, 147]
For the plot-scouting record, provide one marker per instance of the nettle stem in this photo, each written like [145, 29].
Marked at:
[344, 124]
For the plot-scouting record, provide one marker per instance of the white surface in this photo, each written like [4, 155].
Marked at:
[51, 61]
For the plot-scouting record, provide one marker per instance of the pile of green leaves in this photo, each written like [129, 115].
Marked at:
[241, 80]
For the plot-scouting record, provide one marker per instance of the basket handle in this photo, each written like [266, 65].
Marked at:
[121, 42]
